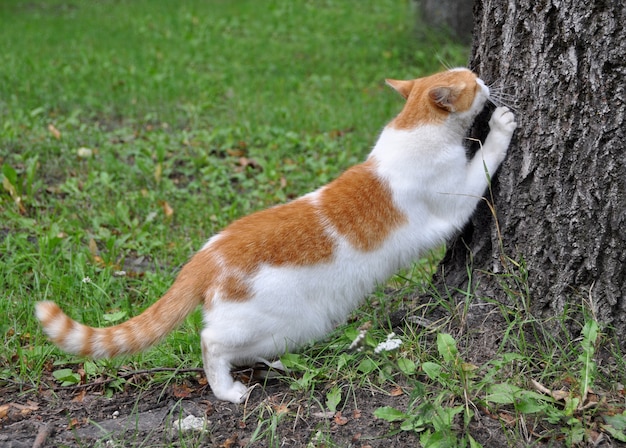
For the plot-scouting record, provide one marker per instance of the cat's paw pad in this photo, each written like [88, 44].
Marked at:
[237, 393]
[503, 120]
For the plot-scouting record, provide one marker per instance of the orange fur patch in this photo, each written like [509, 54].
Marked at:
[421, 95]
[288, 234]
[359, 205]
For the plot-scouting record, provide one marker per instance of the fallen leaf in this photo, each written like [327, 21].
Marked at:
[181, 391]
[230, 442]
[559, 395]
[339, 419]
[4, 410]
[93, 247]
[507, 418]
[235, 152]
[168, 211]
[80, 397]
[54, 131]
[247, 162]
[280, 409]
[396, 391]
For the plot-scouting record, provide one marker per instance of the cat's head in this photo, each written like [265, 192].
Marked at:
[456, 93]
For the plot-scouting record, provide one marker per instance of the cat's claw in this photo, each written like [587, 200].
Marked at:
[503, 120]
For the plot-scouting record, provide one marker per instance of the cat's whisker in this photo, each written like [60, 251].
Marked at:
[498, 102]
[503, 95]
[500, 95]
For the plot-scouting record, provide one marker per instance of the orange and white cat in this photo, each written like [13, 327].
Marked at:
[281, 277]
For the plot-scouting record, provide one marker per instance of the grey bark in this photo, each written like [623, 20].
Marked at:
[454, 16]
[560, 196]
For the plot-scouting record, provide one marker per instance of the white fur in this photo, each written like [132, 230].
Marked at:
[432, 183]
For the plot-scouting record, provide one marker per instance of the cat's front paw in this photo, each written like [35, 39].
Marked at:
[503, 120]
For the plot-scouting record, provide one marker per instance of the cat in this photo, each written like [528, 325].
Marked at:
[284, 276]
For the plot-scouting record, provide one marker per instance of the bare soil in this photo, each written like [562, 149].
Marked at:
[151, 416]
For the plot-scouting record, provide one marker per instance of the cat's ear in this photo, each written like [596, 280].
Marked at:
[445, 97]
[402, 87]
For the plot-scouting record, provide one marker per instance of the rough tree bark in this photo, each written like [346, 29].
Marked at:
[560, 196]
[454, 16]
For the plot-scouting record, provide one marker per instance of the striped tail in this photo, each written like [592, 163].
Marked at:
[132, 336]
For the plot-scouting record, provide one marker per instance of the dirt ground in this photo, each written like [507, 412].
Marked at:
[78, 417]
[150, 414]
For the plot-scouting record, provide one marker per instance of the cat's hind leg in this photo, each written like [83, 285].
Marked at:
[217, 369]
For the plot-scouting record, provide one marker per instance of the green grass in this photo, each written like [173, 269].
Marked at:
[130, 132]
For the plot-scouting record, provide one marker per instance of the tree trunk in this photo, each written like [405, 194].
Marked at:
[453, 16]
[560, 197]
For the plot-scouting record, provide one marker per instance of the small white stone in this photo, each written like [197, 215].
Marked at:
[192, 423]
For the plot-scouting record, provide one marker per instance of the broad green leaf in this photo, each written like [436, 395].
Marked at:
[502, 393]
[616, 421]
[390, 414]
[114, 317]
[333, 398]
[294, 361]
[66, 377]
[446, 345]
[407, 366]
[413, 423]
[90, 368]
[367, 366]
[473, 443]
[432, 369]
[615, 433]
[529, 405]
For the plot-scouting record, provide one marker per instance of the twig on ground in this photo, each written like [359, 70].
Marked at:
[42, 435]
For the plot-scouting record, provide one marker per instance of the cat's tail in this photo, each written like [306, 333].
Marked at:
[134, 335]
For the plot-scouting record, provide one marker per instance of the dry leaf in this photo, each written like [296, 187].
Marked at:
[280, 409]
[182, 391]
[507, 418]
[73, 423]
[167, 209]
[230, 442]
[339, 419]
[158, 172]
[396, 391]
[93, 247]
[80, 397]
[235, 152]
[4, 410]
[247, 162]
[54, 131]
